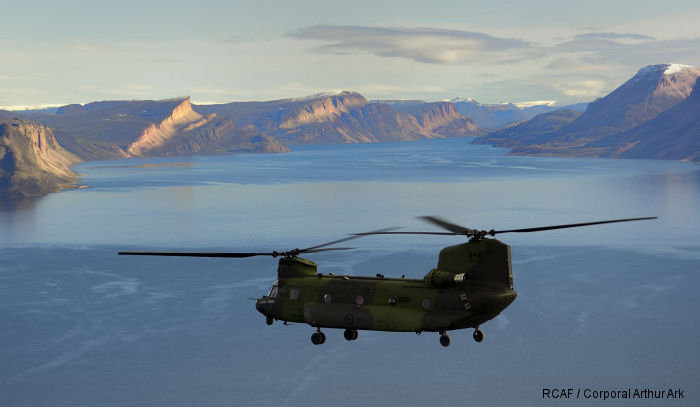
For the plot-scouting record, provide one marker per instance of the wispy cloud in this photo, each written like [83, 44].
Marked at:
[427, 45]
[612, 36]
[626, 49]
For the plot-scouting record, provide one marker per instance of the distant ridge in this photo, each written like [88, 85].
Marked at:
[340, 117]
[497, 116]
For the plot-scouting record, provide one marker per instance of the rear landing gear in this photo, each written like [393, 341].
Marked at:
[269, 320]
[318, 337]
[350, 334]
[478, 335]
[445, 339]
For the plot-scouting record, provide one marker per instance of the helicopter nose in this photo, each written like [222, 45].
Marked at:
[261, 305]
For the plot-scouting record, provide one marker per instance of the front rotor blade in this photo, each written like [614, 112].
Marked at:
[409, 233]
[454, 228]
[345, 239]
[571, 225]
[195, 254]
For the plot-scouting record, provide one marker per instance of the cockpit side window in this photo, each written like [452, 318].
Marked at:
[273, 290]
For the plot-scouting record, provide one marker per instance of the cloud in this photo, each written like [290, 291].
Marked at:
[611, 36]
[582, 89]
[607, 49]
[427, 45]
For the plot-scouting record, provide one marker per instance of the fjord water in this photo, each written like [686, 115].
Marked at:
[606, 307]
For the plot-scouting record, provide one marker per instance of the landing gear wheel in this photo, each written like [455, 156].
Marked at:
[478, 335]
[350, 334]
[318, 338]
[269, 320]
[445, 339]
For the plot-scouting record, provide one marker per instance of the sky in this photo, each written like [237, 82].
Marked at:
[56, 53]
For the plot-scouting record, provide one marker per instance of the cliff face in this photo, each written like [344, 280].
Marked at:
[182, 119]
[32, 163]
[441, 118]
[121, 129]
[320, 108]
[345, 117]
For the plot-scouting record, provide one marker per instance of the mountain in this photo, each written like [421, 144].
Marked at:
[344, 117]
[538, 130]
[439, 117]
[32, 163]
[621, 123]
[120, 129]
[654, 89]
[497, 116]
[673, 134]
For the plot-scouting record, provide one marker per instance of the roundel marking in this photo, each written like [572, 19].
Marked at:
[349, 319]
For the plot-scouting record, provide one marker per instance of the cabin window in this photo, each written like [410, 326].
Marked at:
[392, 301]
[426, 303]
[327, 298]
[294, 294]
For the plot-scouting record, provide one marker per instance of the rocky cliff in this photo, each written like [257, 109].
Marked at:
[441, 118]
[32, 163]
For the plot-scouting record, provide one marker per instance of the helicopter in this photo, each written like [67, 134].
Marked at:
[471, 284]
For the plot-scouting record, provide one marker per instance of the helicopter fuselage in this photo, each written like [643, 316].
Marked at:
[382, 304]
[471, 285]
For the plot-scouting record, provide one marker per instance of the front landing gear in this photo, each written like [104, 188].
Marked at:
[269, 320]
[318, 337]
[478, 335]
[445, 339]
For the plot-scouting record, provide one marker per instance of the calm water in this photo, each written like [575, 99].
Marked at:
[611, 306]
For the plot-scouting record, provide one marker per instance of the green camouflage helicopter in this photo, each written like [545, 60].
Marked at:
[472, 283]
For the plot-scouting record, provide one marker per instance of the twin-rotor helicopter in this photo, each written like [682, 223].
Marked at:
[471, 284]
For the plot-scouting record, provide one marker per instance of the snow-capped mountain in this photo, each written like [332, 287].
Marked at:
[652, 90]
[652, 115]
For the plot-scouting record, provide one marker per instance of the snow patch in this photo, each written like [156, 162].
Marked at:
[674, 68]
[524, 105]
[322, 95]
[466, 100]
[31, 107]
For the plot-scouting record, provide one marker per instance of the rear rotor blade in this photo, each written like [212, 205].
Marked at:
[571, 225]
[326, 249]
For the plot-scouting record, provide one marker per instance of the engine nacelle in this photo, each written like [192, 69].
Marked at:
[437, 278]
